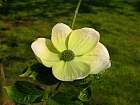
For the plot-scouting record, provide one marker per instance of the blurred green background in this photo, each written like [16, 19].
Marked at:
[118, 21]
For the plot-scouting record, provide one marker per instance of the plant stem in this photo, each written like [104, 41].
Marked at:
[55, 90]
[76, 12]
[59, 84]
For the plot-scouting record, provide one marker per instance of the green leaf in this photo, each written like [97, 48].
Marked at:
[63, 99]
[53, 102]
[85, 94]
[83, 83]
[24, 92]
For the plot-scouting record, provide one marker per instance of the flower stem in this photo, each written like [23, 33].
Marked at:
[76, 12]
[57, 87]
[55, 90]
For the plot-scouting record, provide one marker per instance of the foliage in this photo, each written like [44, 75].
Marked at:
[26, 93]
[85, 94]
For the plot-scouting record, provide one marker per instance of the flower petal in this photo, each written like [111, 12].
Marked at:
[98, 58]
[59, 35]
[45, 52]
[69, 71]
[83, 40]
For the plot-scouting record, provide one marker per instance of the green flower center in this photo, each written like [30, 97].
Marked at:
[67, 55]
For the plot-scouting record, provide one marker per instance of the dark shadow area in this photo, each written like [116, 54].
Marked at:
[23, 86]
[135, 4]
[44, 74]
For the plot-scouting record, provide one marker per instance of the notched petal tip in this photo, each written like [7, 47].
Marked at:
[109, 64]
[59, 36]
[102, 59]
[60, 24]
[36, 43]
[98, 59]
[43, 50]
[83, 40]
[91, 30]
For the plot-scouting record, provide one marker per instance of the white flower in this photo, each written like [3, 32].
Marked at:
[72, 54]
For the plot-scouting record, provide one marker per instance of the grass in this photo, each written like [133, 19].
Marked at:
[118, 22]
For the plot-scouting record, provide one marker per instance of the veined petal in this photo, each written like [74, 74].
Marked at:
[72, 70]
[83, 40]
[59, 35]
[98, 59]
[45, 52]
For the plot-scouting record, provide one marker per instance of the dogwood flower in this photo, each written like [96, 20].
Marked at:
[72, 54]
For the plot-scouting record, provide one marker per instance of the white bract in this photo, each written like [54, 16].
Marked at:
[72, 54]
